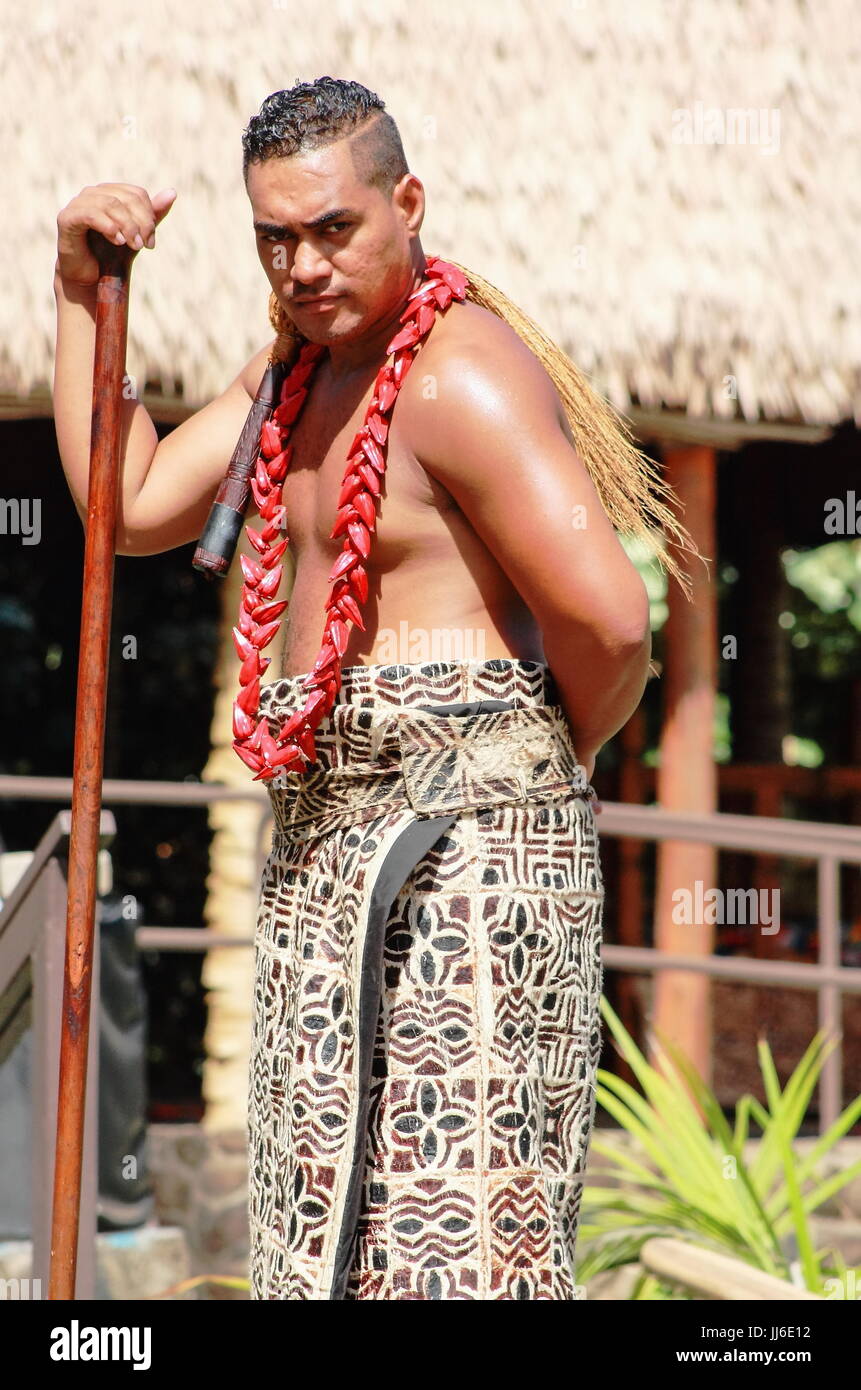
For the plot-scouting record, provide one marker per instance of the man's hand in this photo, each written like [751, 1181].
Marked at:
[166, 487]
[122, 212]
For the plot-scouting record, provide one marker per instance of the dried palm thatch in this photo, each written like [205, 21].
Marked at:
[717, 279]
[637, 500]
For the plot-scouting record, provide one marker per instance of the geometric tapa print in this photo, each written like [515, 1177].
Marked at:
[426, 1026]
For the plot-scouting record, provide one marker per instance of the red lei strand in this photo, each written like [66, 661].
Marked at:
[292, 749]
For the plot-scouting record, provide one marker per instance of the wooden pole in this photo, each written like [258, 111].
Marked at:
[687, 777]
[100, 548]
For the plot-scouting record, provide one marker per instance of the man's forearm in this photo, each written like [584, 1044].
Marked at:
[600, 682]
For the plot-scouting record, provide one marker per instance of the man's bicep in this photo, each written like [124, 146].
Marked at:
[187, 467]
[495, 439]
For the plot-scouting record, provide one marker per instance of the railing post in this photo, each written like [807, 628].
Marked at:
[48, 968]
[47, 964]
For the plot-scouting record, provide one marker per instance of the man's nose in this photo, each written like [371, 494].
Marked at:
[309, 267]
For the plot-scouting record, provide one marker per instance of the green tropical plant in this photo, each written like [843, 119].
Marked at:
[701, 1187]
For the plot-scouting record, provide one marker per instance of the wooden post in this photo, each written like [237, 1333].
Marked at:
[687, 776]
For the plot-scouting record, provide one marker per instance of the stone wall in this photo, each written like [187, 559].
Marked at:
[200, 1177]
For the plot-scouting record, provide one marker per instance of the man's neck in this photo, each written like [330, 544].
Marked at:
[369, 351]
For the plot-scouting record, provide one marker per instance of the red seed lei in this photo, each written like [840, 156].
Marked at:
[292, 749]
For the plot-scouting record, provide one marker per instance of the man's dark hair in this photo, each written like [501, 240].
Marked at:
[311, 114]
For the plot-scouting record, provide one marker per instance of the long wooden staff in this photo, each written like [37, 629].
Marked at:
[109, 370]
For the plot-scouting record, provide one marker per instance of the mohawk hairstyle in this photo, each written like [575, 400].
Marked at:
[309, 115]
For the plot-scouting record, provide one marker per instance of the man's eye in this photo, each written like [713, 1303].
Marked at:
[333, 225]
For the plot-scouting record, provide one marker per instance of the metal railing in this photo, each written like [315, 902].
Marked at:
[828, 846]
[120, 792]
[32, 930]
[32, 963]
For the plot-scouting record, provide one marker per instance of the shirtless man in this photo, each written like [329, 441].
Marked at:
[427, 945]
[475, 527]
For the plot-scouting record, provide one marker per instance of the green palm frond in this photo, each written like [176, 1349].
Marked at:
[689, 1177]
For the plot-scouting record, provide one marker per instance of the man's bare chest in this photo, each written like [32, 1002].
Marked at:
[321, 438]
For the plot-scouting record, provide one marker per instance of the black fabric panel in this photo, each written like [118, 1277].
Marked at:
[410, 846]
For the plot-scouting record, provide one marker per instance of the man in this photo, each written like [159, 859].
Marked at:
[426, 1025]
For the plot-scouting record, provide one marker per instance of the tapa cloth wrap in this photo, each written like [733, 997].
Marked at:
[426, 1025]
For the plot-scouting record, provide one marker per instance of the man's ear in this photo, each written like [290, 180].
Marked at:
[409, 195]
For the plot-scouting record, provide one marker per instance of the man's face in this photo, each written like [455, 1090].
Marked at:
[361, 255]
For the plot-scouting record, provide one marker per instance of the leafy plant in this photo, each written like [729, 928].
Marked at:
[701, 1187]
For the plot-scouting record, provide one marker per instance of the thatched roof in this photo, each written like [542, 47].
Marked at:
[544, 135]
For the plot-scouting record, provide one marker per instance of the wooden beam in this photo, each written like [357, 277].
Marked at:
[677, 427]
[649, 425]
[709, 1274]
[39, 405]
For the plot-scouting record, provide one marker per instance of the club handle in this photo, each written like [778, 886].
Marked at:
[220, 535]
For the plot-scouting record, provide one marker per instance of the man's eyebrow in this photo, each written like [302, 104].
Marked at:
[279, 229]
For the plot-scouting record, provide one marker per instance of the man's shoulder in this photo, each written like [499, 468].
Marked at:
[469, 351]
[475, 385]
[467, 331]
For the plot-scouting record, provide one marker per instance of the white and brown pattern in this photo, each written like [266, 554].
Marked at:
[427, 983]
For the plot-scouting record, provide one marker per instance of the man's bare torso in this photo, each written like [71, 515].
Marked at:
[436, 592]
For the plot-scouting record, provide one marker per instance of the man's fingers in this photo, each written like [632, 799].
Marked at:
[130, 215]
[102, 222]
[123, 213]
